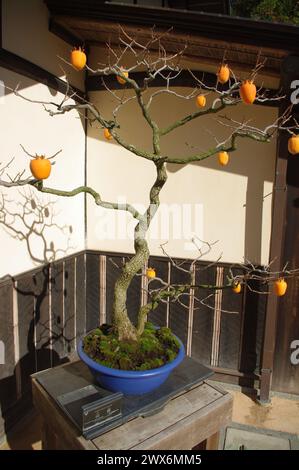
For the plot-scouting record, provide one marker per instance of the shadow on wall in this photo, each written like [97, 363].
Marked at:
[34, 341]
[10, 81]
[37, 333]
[236, 198]
[30, 219]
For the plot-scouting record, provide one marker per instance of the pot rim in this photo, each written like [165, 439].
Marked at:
[130, 373]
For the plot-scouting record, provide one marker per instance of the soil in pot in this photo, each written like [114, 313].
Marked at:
[155, 348]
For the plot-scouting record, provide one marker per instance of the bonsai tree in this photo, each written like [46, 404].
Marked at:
[227, 92]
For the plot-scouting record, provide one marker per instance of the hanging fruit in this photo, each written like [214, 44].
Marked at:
[248, 92]
[151, 273]
[120, 79]
[237, 288]
[78, 58]
[280, 287]
[40, 167]
[201, 101]
[293, 144]
[223, 158]
[107, 134]
[223, 73]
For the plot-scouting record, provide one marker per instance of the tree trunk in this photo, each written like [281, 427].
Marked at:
[126, 330]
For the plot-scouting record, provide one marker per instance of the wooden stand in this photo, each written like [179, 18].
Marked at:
[192, 420]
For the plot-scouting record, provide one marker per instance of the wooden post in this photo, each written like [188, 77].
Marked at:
[289, 72]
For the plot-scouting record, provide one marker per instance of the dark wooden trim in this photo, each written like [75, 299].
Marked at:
[17, 64]
[222, 27]
[234, 372]
[247, 382]
[7, 279]
[1, 25]
[64, 34]
[289, 73]
[185, 79]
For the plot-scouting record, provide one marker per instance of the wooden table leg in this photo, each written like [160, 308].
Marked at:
[48, 438]
[213, 441]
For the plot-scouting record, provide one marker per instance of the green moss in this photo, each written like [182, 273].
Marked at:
[155, 348]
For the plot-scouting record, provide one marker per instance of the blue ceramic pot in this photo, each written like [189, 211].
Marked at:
[130, 382]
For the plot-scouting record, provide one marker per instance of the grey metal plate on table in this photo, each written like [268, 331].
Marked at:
[75, 391]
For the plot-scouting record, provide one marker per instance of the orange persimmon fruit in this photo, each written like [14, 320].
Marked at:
[78, 58]
[40, 167]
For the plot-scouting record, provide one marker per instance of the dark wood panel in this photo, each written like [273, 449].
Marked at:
[17, 64]
[7, 372]
[286, 374]
[26, 327]
[220, 6]
[230, 325]
[112, 272]
[184, 79]
[178, 315]
[158, 316]
[42, 319]
[57, 320]
[80, 296]
[1, 23]
[134, 299]
[69, 305]
[285, 215]
[203, 316]
[92, 291]
[253, 326]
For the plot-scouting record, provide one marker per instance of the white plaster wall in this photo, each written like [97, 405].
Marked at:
[232, 208]
[28, 124]
[26, 33]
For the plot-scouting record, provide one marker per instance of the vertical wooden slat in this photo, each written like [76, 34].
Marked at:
[133, 298]
[92, 291]
[80, 293]
[56, 333]
[159, 315]
[178, 315]
[16, 339]
[8, 392]
[42, 320]
[203, 315]
[112, 272]
[69, 305]
[168, 303]
[230, 327]
[144, 287]
[26, 305]
[217, 318]
[191, 312]
[103, 268]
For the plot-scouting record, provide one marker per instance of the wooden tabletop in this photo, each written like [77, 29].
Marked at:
[187, 420]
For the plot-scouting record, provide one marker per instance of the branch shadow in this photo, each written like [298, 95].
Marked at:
[38, 337]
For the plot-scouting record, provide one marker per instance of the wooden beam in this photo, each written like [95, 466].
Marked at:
[17, 64]
[64, 34]
[184, 80]
[280, 223]
[229, 28]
